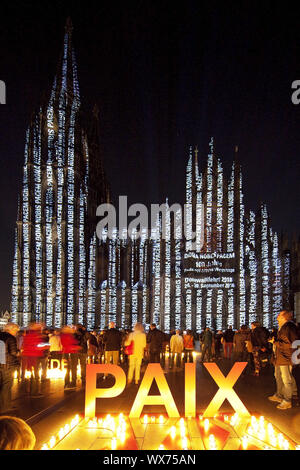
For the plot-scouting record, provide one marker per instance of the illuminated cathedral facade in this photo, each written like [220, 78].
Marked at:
[64, 274]
[240, 274]
[63, 182]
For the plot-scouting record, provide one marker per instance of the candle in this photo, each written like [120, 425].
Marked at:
[173, 432]
[206, 425]
[245, 442]
[113, 443]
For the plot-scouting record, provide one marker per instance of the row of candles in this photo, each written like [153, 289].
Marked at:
[262, 430]
[59, 372]
[63, 432]
[52, 372]
[260, 433]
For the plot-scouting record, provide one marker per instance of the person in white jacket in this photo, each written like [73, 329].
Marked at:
[135, 360]
[56, 346]
[176, 348]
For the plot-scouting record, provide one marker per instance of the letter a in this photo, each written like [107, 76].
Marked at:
[91, 390]
[225, 389]
[154, 371]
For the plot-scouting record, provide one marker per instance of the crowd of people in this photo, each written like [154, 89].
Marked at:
[33, 348]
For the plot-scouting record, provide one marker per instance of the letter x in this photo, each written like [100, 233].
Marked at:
[225, 389]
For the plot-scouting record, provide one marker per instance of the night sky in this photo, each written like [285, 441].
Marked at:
[165, 76]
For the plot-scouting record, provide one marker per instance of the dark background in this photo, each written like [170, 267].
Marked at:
[165, 76]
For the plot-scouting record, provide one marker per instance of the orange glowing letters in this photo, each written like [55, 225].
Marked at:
[91, 390]
[190, 390]
[155, 372]
[225, 389]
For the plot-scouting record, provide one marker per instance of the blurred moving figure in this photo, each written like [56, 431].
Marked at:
[82, 337]
[56, 346]
[135, 359]
[32, 355]
[92, 348]
[20, 339]
[43, 361]
[15, 434]
[70, 350]
[207, 340]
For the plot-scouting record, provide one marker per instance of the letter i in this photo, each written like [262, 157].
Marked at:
[190, 390]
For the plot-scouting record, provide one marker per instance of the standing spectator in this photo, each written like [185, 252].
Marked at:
[135, 359]
[70, 350]
[188, 343]
[287, 334]
[101, 346]
[176, 349]
[274, 333]
[259, 341]
[55, 346]
[207, 340]
[200, 339]
[125, 334]
[20, 339]
[240, 352]
[165, 347]
[92, 348]
[8, 363]
[228, 342]
[218, 344]
[82, 337]
[22, 357]
[112, 340]
[155, 339]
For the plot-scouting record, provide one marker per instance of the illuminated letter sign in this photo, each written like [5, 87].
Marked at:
[225, 390]
[190, 390]
[154, 371]
[91, 390]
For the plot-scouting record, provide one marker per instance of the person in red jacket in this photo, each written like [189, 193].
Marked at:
[188, 343]
[70, 352]
[32, 354]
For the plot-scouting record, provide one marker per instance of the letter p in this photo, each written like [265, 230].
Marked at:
[91, 390]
